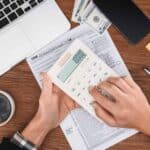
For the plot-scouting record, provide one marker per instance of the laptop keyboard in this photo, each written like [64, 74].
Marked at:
[10, 10]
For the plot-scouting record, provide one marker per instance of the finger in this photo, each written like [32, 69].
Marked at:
[120, 83]
[56, 89]
[64, 111]
[69, 102]
[111, 89]
[46, 81]
[77, 105]
[103, 101]
[130, 82]
[104, 115]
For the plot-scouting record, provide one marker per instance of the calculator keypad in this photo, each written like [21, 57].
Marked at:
[89, 74]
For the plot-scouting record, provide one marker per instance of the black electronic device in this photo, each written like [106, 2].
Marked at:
[127, 17]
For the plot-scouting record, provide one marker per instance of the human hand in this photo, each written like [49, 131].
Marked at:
[54, 104]
[129, 107]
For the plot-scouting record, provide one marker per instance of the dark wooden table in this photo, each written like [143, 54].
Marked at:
[20, 83]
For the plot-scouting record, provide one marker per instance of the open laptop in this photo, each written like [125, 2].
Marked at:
[25, 27]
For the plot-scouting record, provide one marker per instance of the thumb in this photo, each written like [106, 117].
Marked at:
[46, 81]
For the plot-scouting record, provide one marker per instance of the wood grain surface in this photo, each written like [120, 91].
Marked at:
[20, 83]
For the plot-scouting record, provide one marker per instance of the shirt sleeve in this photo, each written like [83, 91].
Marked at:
[7, 145]
[22, 143]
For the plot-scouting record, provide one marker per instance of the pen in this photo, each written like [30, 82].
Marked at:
[147, 70]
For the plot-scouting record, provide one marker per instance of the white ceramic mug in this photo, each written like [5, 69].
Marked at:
[9, 101]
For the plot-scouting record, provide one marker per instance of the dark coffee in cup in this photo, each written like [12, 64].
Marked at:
[7, 108]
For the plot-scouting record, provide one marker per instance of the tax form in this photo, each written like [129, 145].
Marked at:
[82, 131]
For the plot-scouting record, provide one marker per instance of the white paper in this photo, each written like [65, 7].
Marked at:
[82, 131]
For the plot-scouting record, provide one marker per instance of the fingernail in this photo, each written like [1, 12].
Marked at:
[94, 105]
[41, 73]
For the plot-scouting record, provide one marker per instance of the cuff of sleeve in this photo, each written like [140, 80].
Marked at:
[21, 142]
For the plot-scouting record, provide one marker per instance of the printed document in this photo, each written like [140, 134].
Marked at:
[82, 131]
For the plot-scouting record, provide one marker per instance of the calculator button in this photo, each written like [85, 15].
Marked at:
[94, 75]
[84, 99]
[106, 74]
[69, 81]
[95, 64]
[100, 80]
[73, 89]
[79, 94]
[89, 82]
[86, 85]
[83, 88]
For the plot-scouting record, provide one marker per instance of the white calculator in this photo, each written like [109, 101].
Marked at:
[76, 70]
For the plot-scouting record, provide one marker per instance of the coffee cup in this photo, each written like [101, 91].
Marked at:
[7, 108]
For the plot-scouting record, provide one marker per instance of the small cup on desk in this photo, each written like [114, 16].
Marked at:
[7, 108]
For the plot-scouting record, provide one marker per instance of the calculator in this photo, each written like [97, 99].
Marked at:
[78, 69]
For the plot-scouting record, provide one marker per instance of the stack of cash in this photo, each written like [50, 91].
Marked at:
[85, 11]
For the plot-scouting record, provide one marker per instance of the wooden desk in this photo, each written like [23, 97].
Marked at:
[21, 84]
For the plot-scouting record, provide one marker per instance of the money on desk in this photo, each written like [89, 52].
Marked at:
[85, 11]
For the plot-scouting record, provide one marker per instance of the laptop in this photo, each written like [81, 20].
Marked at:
[25, 27]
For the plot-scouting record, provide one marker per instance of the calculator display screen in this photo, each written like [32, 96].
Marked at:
[71, 65]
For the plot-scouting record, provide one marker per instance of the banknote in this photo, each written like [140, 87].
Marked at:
[75, 9]
[98, 21]
[79, 6]
[85, 11]
[83, 7]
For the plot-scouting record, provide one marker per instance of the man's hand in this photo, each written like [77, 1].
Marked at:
[54, 105]
[128, 108]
